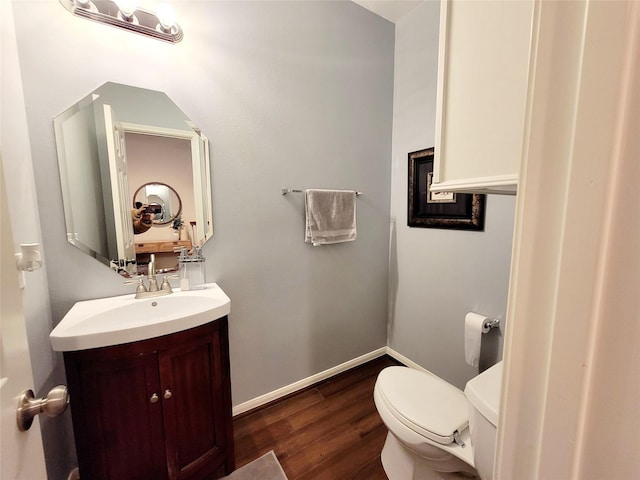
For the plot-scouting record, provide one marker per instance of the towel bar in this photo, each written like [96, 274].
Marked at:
[284, 191]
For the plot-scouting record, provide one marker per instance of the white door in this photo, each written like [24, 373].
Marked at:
[122, 202]
[21, 456]
[202, 187]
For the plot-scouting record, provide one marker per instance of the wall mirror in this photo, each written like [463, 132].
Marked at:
[129, 156]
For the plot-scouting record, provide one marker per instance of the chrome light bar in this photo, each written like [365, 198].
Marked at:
[125, 14]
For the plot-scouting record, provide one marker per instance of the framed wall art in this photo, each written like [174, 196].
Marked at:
[426, 209]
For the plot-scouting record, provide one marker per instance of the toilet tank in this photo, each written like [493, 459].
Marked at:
[483, 393]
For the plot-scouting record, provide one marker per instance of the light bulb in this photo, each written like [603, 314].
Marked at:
[127, 7]
[166, 16]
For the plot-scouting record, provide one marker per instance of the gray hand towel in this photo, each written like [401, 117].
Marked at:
[330, 216]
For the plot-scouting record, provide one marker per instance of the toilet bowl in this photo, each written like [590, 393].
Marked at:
[428, 420]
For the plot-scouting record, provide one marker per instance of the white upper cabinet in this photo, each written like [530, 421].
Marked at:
[483, 72]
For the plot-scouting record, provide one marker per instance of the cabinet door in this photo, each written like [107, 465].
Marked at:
[196, 403]
[483, 72]
[117, 420]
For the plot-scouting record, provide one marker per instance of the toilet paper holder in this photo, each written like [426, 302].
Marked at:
[491, 323]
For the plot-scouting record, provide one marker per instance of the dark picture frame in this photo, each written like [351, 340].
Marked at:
[426, 209]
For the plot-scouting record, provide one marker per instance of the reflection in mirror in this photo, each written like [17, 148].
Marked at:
[159, 201]
[111, 143]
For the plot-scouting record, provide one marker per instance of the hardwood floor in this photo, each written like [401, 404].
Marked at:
[329, 431]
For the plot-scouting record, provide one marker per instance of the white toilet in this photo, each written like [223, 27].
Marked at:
[435, 430]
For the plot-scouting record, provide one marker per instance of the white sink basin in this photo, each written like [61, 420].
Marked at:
[116, 320]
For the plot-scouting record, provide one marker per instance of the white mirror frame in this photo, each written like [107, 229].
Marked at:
[201, 171]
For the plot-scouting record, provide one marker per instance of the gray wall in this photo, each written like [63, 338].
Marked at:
[295, 94]
[437, 275]
[292, 94]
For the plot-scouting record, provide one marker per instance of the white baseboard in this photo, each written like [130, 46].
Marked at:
[406, 361]
[306, 382]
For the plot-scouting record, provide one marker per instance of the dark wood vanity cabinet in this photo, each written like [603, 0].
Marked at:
[154, 409]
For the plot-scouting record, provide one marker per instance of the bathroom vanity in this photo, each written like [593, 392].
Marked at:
[154, 409]
[148, 375]
[149, 385]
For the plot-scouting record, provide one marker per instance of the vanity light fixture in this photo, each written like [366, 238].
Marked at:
[126, 14]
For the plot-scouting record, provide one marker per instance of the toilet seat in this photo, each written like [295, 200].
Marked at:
[424, 403]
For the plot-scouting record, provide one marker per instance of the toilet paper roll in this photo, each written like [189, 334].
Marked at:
[474, 327]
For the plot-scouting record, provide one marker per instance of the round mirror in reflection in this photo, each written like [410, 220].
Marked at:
[158, 202]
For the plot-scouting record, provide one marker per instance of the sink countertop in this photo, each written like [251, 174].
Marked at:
[116, 320]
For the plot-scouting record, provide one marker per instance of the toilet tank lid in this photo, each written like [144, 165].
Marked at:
[483, 392]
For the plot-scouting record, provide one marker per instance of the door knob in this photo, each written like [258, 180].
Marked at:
[154, 398]
[54, 404]
[167, 394]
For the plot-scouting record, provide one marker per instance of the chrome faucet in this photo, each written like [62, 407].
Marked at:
[151, 274]
[142, 291]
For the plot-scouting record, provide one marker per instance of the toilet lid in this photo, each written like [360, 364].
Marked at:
[424, 403]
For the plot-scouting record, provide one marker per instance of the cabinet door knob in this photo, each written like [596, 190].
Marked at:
[167, 394]
[154, 398]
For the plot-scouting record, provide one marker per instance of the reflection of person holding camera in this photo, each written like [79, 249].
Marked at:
[141, 217]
